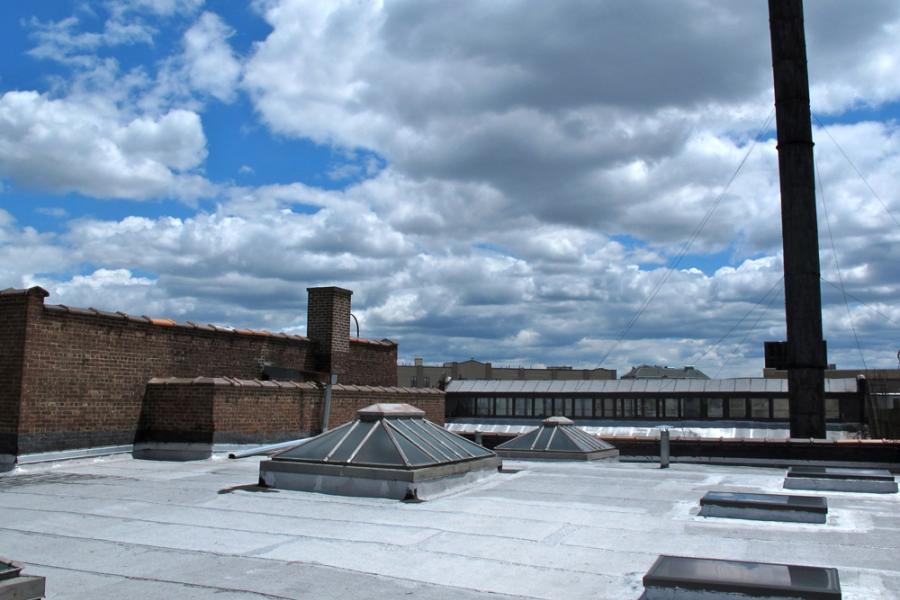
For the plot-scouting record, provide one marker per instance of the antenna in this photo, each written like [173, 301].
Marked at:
[898, 357]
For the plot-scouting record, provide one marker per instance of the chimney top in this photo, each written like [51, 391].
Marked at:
[330, 288]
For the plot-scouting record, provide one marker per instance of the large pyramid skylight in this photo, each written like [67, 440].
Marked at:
[391, 450]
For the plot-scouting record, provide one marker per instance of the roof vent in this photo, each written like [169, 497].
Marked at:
[390, 451]
[557, 438]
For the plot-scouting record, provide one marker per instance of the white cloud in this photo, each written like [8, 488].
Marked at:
[163, 8]
[211, 64]
[528, 190]
[66, 42]
[68, 145]
[25, 252]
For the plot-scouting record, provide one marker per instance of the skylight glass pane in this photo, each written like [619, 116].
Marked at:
[378, 450]
[318, 447]
[523, 442]
[543, 438]
[414, 455]
[563, 443]
[343, 452]
[415, 434]
[459, 446]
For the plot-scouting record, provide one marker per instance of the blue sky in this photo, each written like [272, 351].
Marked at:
[491, 181]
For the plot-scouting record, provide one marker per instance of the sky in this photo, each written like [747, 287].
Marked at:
[589, 183]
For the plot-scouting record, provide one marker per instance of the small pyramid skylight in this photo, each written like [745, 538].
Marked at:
[557, 438]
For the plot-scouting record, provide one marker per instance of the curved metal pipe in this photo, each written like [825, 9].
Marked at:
[355, 320]
[267, 449]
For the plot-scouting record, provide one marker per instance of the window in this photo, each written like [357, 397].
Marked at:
[759, 408]
[781, 408]
[609, 407]
[412, 381]
[543, 407]
[715, 408]
[426, 381]
[690, 408]
[483, 407]
[503, 407]
[465, 407]
[583, 407]
[671, 407]
[650, 407]
[832, 409]
[737, 408]
[628, 407]
[522, 407]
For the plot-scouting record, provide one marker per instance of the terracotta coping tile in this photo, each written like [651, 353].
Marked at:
[162, 322]
[35, 290]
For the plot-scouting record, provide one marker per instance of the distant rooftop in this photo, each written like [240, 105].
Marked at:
[657, 372]
[608, 386]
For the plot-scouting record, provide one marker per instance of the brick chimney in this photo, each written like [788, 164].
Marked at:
[328, 327]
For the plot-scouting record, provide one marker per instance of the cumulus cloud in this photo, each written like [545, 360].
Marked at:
[210, 63]
[25, 252]
[65, 145]
[595, 125]
[533, 171]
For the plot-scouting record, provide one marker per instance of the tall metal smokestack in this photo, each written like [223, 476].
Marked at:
[806, 354]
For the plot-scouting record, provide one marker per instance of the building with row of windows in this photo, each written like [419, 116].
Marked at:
[743, 399]
[419, 374]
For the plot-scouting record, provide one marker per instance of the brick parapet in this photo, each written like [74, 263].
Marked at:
[371, 363]
[85, 372]
[228, 410]
[80, 379]
[13, 309]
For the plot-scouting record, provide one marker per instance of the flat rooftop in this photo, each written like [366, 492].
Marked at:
[115, 527]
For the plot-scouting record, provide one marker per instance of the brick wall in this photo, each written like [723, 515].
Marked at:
[232, 411]
[15, 306]
[83, 372]
[347, 399]
[371, 362]
[328, 326]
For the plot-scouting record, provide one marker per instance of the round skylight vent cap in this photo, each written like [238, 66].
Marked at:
[554, 421]
[374, 412]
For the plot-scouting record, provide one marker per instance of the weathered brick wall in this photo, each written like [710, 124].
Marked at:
[80, 379]
[14, 307]
[178, 409]
[224, 410]
[347, 399]
[258, 412]
[371, 363]
[84, 375]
